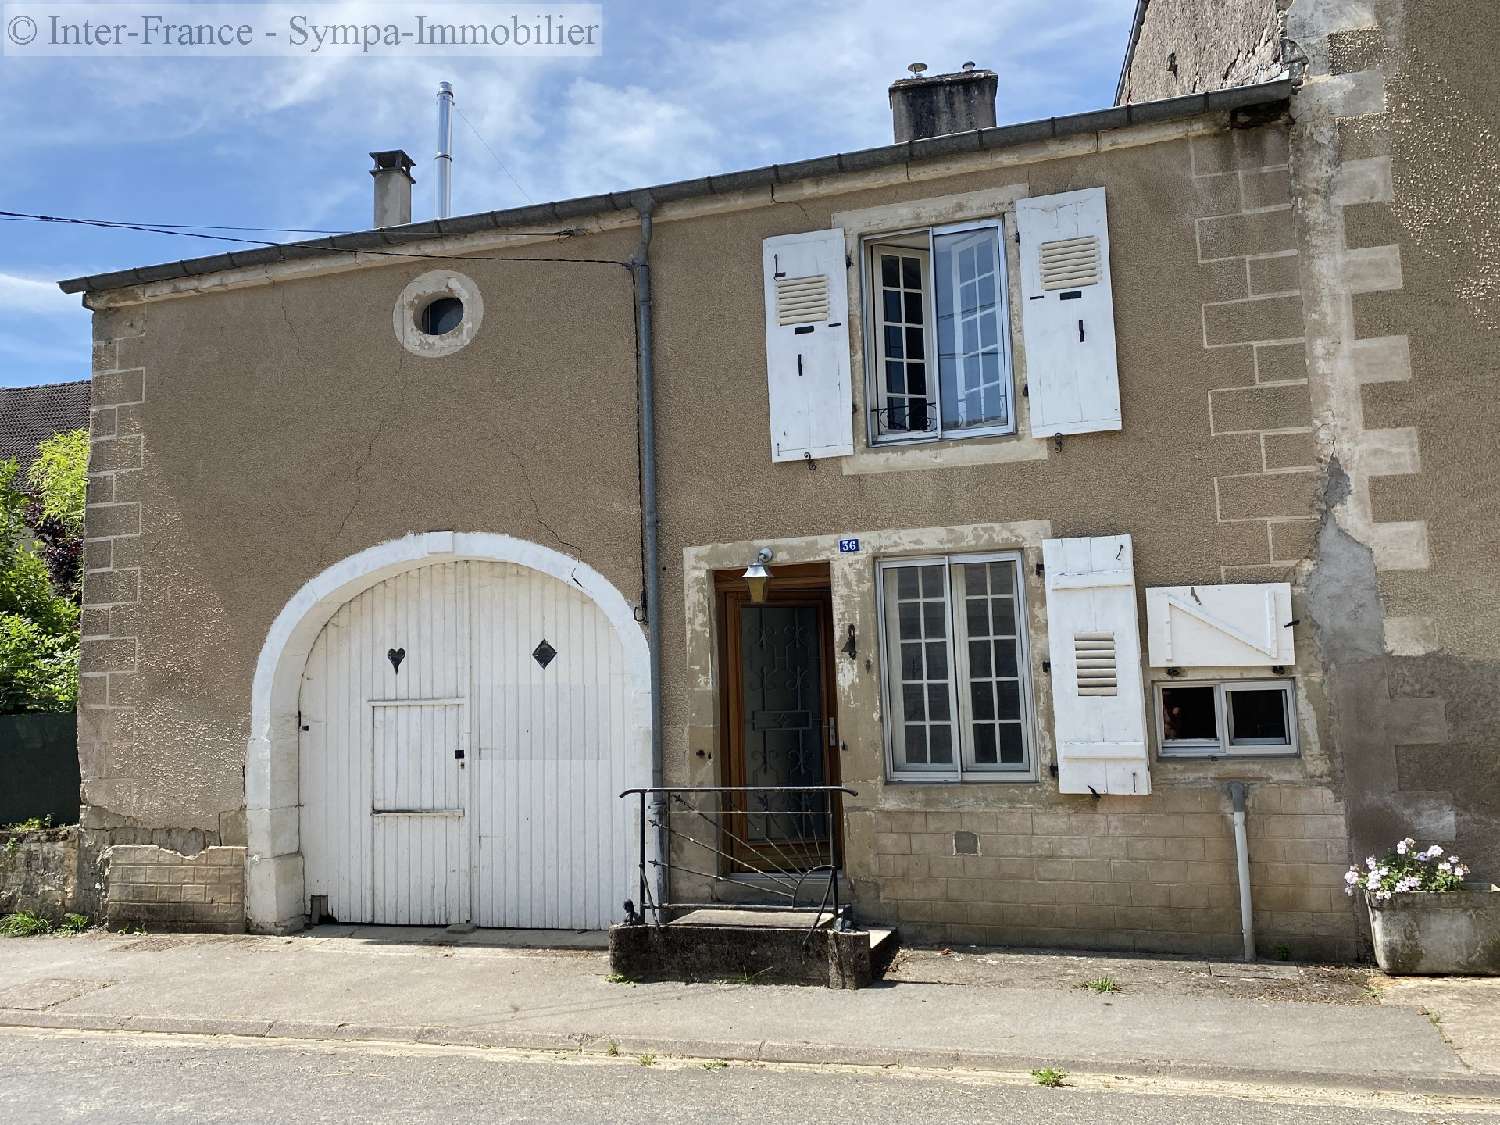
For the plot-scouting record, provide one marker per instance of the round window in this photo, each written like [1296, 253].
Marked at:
[438, 313]
[442, 316]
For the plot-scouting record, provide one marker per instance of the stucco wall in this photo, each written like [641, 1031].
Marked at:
[245, 441]
[1190, 46]
[1396, 158]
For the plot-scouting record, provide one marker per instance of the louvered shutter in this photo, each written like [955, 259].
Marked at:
[1068, 313]
[1239, 625]
[1097, 701]
[807, 346]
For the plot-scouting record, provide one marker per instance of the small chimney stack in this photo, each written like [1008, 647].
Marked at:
[393, 181]
[933, 105]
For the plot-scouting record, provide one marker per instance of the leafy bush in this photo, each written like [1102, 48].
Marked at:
[41, 540]
[24, 923]
[1404, 870]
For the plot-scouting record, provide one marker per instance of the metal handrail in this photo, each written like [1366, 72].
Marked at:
[790, 869]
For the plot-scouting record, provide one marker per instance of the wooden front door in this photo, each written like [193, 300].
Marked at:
[780, 724]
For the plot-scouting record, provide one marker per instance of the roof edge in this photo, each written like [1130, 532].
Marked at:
[771, 175]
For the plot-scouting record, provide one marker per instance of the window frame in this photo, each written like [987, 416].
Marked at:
[958, 665]
[1224, 745]
[922, 238]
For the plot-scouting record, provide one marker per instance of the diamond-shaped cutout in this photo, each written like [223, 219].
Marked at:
[544, 654]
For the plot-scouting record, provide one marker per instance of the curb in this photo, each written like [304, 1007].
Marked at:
[936, 1058]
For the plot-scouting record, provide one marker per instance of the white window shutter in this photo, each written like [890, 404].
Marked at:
[1097, 697]
[1242, 625]
[807, 346]
[1068, 313]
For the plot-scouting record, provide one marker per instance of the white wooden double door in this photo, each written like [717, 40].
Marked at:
[464, 733]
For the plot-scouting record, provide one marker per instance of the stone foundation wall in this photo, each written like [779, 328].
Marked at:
[154, 887]
[39, 872]
[1154, 874]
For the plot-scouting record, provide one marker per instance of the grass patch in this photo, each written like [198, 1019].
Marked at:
[646, 1059]
[24, 923]
[1101, 984]
[613, 1050]
[620, 978]
[1049, 1076]
[715, 1064]
[74, 923]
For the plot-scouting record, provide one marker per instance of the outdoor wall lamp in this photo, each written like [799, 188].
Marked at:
[757, 577]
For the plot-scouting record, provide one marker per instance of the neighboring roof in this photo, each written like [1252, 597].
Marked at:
[30, 415]
[1135, 37]
[953, 144]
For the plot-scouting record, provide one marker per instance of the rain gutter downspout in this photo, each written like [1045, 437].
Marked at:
[640, 270]
[1242, 860]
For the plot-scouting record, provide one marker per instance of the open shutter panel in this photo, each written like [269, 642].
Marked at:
[1097, 701]
[1241, 625]
[807, 346]
[1068, 313]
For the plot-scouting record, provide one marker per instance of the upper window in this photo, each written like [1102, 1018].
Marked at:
[1232, 717]
[941, 364]
[954, 650]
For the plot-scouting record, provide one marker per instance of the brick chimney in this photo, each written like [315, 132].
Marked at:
[393, 182]
[931, 105]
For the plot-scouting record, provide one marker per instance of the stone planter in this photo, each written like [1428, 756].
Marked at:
[1452, 933]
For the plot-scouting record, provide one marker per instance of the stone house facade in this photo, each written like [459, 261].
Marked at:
[1043, 432]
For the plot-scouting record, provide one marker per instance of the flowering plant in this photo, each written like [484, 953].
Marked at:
[1405, 869]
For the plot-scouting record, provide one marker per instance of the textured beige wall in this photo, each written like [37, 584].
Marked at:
[1396, 161]
[1191, 46]
[245, 441]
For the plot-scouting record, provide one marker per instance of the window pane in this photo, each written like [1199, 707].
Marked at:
[969, 284]
[1257, 717]
[890, 270]
[918, 665]
[942, 746]
[992, 696]
[985, 750]
[1012, 744]
[1187, 714]
[911, 273]
[900, 308]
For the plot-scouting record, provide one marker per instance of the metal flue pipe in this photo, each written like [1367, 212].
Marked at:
[444, 161]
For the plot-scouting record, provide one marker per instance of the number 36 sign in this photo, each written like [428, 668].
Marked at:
[848, 546]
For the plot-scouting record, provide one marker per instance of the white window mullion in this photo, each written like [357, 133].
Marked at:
[934, 359]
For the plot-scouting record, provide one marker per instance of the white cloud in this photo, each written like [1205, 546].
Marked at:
[31, 295]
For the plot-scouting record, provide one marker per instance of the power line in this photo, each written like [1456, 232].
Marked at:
[182, 231]
[492, 153]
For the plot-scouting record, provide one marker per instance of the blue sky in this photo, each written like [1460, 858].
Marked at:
[681, 89]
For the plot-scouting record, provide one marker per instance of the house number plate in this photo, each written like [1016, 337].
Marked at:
[848, 546]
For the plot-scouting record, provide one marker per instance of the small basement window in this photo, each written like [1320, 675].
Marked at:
[1226, 718]
[442, 316]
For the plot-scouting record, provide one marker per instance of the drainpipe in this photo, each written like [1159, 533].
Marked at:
[640, 269]
[1242, 859]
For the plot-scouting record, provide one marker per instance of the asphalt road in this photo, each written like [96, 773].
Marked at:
[131, 1077]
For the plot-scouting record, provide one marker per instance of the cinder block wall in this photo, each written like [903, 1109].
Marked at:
[150, 886]
[1150, 874]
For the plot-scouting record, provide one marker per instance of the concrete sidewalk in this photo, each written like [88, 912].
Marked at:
[975, 1010]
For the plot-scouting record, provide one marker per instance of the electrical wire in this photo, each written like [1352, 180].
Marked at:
[480, 136]
[182, 231]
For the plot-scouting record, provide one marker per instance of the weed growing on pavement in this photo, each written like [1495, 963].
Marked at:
[613, 1050]
[74, 923]
[1049, 1076]
[1102, 984]
[620, 978]
[646, 1059]
[1283, 953]
[715, 1064]
[24, 923]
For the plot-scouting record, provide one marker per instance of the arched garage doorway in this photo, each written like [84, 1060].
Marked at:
[463, 710]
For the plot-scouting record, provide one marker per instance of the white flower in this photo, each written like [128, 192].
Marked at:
[1445, 866]
[1409, 842]
[1382, 894]
[1370, 862]
[1434, 852]
[1460, 871]
[1401, 848]
[1351, 876]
